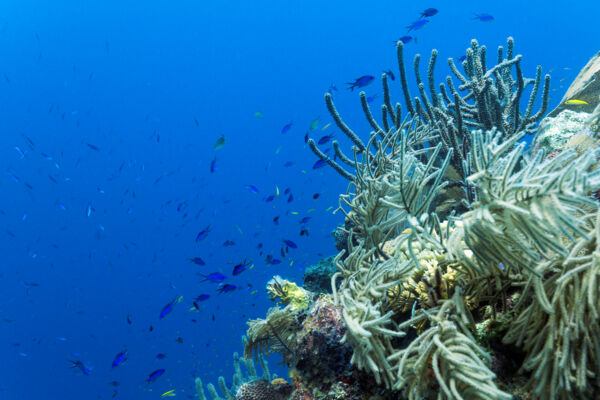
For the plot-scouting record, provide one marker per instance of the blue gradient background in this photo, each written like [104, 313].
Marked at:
[117, 74]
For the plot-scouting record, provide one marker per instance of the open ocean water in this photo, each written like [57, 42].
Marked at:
[128, 128]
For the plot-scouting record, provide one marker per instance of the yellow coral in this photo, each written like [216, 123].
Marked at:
[431, 280]
[289, 293]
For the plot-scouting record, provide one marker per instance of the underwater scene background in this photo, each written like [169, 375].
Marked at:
[115, 176]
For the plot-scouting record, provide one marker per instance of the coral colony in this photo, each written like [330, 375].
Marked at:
[469, 265]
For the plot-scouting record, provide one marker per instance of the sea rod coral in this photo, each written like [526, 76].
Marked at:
[518, 231]
[471, 264]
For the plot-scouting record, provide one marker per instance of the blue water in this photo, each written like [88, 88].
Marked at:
[153, 85]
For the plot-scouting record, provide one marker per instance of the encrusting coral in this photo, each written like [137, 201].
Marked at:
[469, 265]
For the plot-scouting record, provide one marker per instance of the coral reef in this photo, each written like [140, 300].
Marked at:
[424, 279]
[317, 277]
[469, 265]
[246, 385]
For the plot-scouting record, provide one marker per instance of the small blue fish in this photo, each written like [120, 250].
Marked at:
[332, 88]
[252, 188]
[289, 243]
[272, 261]
[371, 98]
[269, 198]
[203, 234]
[390, 74]
[290, 198]
[320, 164]
[226, 288]
[197, 261]
[484, 17]
[417, 25]
[213, 165]
[161, 356]
[361, 82]
[325, 139]
[238, 269]
[166, 310]
[429, 12]
[203, 297]
[404, 39]
[214, 277]
[228, 243]
[287, 190]
[462, 58]
[288, 164]
[81, 367]
[286, 128]
[305, 220]
[119, 359]
[155, 375]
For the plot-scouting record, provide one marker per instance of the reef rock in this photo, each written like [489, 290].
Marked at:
[317, 277]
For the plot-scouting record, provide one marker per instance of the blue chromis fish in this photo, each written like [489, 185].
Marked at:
[361, 82]
[289, 243]
[287, 127]
[305, 220]
[203, 297]
[269, 259]
[417, 25]
[214, 277]
[484, 17]
[203, 234]
[404, 39]
[169, 307]
[325, 139]
[390, 74]
[320, 164]
[155, 375]
[197, 261]
[81, 367]
[429, 12]
[119, 359]
[220, 143]
[213, 165]
[226, 288]
[252, 188]
[241, 267]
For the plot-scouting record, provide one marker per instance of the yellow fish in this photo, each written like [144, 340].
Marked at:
[258, 114]
[328, 208]
[170, 393]
[325, 127]
[276, 190]
[294, 212]
[573, 101]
